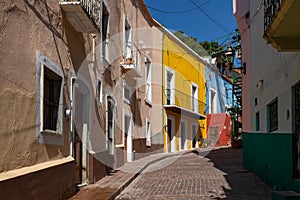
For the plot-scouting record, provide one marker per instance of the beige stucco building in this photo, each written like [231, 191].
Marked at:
[80, 92]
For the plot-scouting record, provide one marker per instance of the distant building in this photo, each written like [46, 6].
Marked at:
[218, 101]
[183, 95]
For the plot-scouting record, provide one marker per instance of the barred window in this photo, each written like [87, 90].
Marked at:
[52, 92]
[273, 115]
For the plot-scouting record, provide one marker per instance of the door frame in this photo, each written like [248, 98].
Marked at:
[172, 139]
[128, 139]
[183, 146]
[78, 84]
[196, 137]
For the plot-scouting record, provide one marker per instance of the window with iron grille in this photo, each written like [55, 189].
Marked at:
[273, 115]
[49, 101]
[52, 91]
[257, 121]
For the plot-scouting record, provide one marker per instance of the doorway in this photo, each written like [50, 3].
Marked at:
[81, 107]
[128, 136]
[194, 136]
[296, 125]
[171, 138]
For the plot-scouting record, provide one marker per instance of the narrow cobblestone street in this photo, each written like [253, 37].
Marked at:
[219, 175]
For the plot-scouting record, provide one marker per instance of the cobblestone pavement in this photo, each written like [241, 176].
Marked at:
[219, 175]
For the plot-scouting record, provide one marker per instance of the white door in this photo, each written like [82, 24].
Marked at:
[128, 134]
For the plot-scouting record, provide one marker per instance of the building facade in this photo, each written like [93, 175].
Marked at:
[218, 100]
[80, 97]
[183, 95]
[271, 85]
[34, 131]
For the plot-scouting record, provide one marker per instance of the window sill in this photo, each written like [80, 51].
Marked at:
[119, 145]
[51, 132]
[127, 101]
[149, 103]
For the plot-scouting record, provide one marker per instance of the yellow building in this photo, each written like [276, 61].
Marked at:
[183, 95]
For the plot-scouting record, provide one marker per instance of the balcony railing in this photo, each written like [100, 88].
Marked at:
[83, 14]
[271, 8]
[183, 101]
[281, 24]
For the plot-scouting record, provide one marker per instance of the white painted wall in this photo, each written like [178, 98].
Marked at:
[279, 72]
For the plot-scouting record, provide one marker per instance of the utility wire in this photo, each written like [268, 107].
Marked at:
[212, 19]
[172, 12]
[175, 12]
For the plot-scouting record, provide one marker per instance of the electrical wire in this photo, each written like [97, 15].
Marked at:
[176, 12]
[171, 12]
[206, 14]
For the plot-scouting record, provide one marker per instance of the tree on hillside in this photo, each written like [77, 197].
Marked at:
[192, 43]
[201, 48]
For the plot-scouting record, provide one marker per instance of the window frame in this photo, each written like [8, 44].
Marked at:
[100, 92]
[125, 99]
[194, 100]
[172, 86]
[148, 79]
[272, 127]
[43, 135]
[213, 102]
[257, 121]
[127, 43]
[110, 147]
[148, 133]
[104, 39]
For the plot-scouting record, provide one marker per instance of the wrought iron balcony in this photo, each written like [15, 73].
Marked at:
[180, 102]
[131, 61]
[281, 26]
[83, 15]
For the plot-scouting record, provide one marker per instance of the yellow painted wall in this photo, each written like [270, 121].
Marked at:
[188, 68]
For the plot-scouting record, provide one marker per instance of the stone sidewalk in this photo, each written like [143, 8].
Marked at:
[205, 174]
[218, 175]
[111, 185]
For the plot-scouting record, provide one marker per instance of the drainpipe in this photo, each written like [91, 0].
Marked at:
[71, 137]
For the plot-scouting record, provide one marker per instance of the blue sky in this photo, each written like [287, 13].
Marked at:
[203, 19]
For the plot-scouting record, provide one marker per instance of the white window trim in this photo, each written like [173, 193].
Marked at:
[105, 57]
[148, 80]
[47, 136]
[99, 92]
[114, 125]
[127, 54]
[196, 109]
[172, 85]
[148, 132]
[214, 103]
[126, 100]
